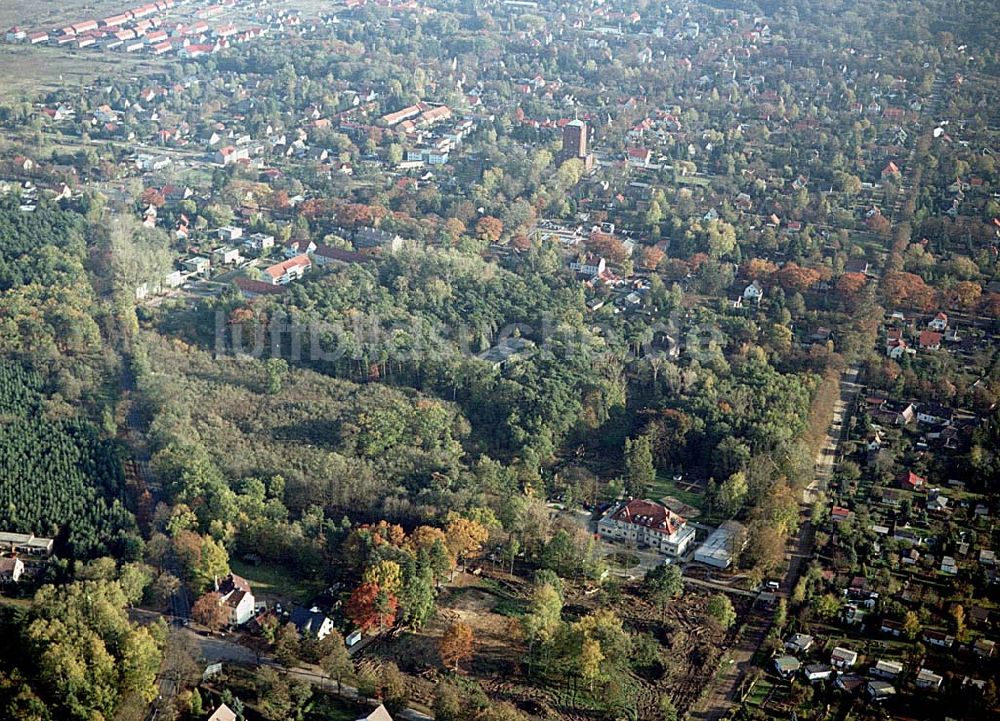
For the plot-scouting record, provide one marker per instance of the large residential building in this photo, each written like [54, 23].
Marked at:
[649, 524]
[287, 270]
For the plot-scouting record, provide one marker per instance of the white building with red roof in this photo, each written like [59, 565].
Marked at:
[287, 271]
[235, 594]
[647, 523]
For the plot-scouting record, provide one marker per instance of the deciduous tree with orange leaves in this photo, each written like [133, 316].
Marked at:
[651, 258]
[489, 229]
[850, 284]
[796, 279]
[456, 644]
[607, 245]
[370, 607]
[465, 537]
[209, 611]
[758, 269]
[899, 288]
[965, 294]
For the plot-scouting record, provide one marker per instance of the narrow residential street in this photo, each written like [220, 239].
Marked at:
[718, 700]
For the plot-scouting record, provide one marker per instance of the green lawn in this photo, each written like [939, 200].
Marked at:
[759, 693]
[273, 582]
[694, 180]
[665, 486]
[331, 708]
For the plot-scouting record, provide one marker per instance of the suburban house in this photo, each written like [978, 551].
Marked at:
[11, 568]
[886, 669]
[879, 691]
[930, 340]
[197, 265]
[892, 628]
[312, 621]
[223, 713]
[939, 323]
[938, 638]
[850, 682]
[910, 481]
[230, 154]
[897, 348]
[589, 264]
[753, 292]
[857, 265]
[935, 414]
[298, 246]
[842, 657]
[379, 714]
[895, 412]
[258, 242]
[234, 592]
[799, 643]
[229, 233]
[984, 647]
[650, 524]
[254, 288]
[787, 666]
[817, 672]
[928, 679]
[26, 543]
[226, 255]
[639, 157]
[288, 270]
[377, 239]
[507, 352]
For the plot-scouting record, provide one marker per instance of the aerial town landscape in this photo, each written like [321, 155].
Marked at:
[499, 360]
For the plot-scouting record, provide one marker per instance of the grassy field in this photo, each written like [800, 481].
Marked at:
[664, 485]
[759, 693]
[272, 582]
[32, 71]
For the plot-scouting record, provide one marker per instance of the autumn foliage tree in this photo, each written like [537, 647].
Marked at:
[991, 305]
[758, 269]
[465, 537]
[651, 258]
[796, 279]
[489, 229]
[210, 612]
[370, 607]
[879, 225]
[607, 245]
[850, 284]
[964, 294]
[456, 644]
[899, 288]
[151, 196]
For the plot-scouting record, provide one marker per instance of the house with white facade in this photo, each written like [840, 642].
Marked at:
[312, 621]
[588, 264]
[650, 524]
[235, 594]
[287, 270]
